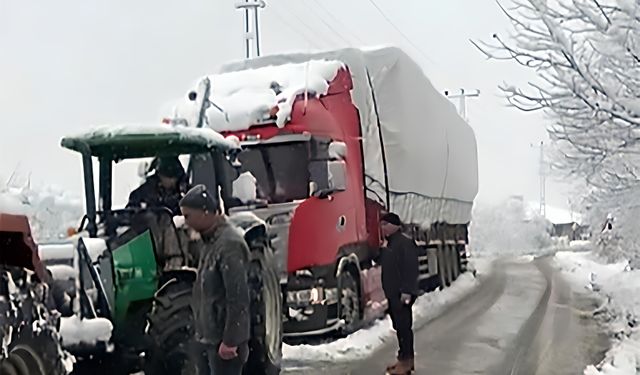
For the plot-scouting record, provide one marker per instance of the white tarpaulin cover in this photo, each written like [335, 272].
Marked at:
[430, 151]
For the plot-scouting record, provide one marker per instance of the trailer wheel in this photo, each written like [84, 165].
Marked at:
[455, 262]
[265, 345]
[171, 331]
[442, 266]
[349, 302]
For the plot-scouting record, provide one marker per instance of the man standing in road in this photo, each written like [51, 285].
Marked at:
[399, 262]
[220, 293]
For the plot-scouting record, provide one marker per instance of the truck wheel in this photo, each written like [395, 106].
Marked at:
[349, 302]
[171, 331]
[265, 344]
[34, 346]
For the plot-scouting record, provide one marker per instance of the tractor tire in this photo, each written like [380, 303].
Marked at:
[171, 332]
[31, 353]
[265, 344]
[28, 326]
[349, 303]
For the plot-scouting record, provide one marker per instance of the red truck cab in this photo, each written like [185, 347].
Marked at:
[310, 179]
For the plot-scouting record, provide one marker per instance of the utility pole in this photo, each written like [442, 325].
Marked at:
[462, 107]
[543, 182]
[251, 32]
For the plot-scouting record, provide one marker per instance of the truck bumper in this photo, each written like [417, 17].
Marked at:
[313, 317]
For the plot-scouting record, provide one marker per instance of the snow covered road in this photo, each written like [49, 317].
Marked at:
[523, 319]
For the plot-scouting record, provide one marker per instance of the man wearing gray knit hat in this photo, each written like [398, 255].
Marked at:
[221, 292]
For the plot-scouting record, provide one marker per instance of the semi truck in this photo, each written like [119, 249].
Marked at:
[331, 141]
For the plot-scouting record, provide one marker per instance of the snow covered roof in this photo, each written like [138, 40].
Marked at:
[131, 141]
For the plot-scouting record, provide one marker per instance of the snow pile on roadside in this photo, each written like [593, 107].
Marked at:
[365, 342]
[50, 210]
[618, 287]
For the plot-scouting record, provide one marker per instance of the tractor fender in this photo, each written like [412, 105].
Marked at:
[170, 277]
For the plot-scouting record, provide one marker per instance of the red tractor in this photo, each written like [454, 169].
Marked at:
[29, 324]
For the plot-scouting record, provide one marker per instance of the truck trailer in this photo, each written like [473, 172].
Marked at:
[331, 141]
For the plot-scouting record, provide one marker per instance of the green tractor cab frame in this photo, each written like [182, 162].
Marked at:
[139, 288]
[110, 146]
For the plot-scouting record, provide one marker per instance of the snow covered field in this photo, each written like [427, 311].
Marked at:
[366, 342]
[617, 287]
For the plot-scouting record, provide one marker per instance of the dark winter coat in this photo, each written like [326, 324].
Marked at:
[221, 293]
[152, 194]
[399, 262]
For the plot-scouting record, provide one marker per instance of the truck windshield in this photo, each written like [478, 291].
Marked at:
[281, 170]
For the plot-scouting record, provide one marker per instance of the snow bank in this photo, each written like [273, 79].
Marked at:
[365, 342]
[248, 96]
[75, 331]
[618, 287]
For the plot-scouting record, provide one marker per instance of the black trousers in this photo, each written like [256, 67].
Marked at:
[212, 364]
[402, 320]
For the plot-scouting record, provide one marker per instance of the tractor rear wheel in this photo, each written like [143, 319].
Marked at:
[265, 345]
[171, 331]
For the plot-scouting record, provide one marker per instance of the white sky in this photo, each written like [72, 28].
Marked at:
[69, 64]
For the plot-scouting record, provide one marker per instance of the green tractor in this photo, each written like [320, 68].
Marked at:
[136, 266]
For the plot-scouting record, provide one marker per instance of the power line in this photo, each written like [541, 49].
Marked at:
[334, 30]
[303, 22]
[339, 21]
[293, 28]
[401, 32]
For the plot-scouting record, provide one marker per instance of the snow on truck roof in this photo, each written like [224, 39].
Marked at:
[247, 95]
[130, 141]
[431, 169]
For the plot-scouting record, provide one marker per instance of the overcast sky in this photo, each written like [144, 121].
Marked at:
[69, 64]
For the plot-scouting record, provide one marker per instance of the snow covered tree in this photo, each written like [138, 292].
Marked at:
[587, 56]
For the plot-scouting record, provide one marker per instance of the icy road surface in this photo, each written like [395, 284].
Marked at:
[523, 319]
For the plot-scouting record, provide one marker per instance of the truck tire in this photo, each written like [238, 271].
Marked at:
[265, 344]
[34, 346]
[442, 266]
[170, 330]
[349, 302]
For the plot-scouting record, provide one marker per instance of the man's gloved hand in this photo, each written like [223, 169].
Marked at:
[227, 352]
[405, 298]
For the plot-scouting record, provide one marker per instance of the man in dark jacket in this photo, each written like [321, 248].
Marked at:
[221, 292]
[165, 188]
[399, 262]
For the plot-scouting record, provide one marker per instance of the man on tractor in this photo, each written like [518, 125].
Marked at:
[165, 188]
